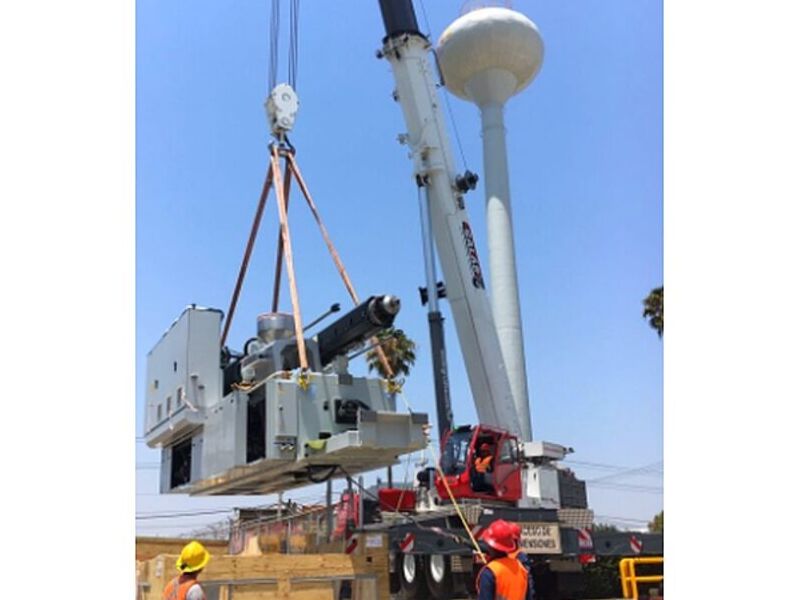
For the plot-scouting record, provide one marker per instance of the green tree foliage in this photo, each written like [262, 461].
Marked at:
[602, 578]
[399, 351]
[654, 309]
[657, 524]
[604, 528]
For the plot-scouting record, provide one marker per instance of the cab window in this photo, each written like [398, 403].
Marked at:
[507, 453]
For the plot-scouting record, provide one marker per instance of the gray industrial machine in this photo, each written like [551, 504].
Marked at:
[254, 422]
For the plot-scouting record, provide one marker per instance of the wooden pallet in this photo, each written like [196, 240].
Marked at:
[281, 576]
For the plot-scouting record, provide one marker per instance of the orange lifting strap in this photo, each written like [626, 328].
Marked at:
[282, 184]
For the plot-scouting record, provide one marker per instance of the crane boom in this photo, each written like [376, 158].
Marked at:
[406, 49]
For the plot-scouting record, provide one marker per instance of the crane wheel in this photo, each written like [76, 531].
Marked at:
[410, 571]
[439, 576]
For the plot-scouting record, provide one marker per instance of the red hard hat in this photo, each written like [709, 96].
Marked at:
[516, 530]
[500, 536]
[484, 446]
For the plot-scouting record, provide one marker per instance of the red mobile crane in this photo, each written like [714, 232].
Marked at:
[525, 483]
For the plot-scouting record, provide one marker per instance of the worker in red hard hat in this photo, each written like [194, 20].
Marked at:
[503, 577]
[522, 557]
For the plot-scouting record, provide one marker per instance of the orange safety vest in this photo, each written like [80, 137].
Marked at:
[482, 464]
[510, 578]
[176, 590]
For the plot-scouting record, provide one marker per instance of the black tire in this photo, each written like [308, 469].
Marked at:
[394, 575]
[439, 576]
[411, 573]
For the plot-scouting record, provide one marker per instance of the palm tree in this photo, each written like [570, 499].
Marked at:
[657, 524]
[399, 351]
[654, 309]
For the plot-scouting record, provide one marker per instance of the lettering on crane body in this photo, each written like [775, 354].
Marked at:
[472, 256]
[540, 538]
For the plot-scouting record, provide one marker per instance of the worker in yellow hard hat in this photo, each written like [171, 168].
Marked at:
[193, 559]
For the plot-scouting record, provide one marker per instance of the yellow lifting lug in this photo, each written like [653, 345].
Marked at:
[303, 380]
[393, 386]
[316, 445]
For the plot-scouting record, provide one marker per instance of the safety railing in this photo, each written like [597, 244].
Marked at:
[630, 580]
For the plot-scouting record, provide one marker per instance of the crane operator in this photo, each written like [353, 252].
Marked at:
[482, 468]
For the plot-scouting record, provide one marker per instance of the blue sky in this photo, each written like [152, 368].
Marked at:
[585, 147]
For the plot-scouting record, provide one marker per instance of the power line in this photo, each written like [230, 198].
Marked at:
[625, 487]
[621, 519]
[203, 511]
[595, 465]
[653, 468]
[197, 513]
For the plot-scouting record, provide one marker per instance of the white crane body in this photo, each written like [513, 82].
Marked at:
[455, 243]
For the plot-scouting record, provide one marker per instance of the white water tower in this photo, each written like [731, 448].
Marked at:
[486, 56]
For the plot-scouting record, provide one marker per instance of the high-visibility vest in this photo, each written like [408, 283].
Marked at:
[176, 590]
[510, 578]
[482, 464]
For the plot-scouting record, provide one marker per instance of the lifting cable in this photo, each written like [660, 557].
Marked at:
[276, 284]
[445, 94]
[348, 284]
[274, 43]
[294, 15]
[282, 187]
[274, 36]
[247, 252]
[287, 254]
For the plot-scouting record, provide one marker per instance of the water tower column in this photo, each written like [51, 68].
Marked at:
[487, 56]
[502, 257]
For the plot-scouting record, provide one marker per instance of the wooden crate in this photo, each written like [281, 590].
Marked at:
[282, 576]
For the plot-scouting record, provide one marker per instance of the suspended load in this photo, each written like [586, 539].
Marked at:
[286, 410]
[251, 423]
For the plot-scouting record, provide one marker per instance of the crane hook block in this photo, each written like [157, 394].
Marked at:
[282, 104]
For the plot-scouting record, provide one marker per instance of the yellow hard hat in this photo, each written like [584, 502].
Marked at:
[194, 557]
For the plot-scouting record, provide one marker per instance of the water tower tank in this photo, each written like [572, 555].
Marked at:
[486, 56]
[490, 54]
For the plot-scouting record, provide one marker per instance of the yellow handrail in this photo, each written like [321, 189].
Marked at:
[629, 579]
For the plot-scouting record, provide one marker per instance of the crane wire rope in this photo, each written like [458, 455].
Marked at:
[274, 37]
[294, 14]
[246, 258]
[273, 66]
[445, 94]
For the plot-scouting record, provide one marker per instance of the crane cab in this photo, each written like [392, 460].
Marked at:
[481, 463]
